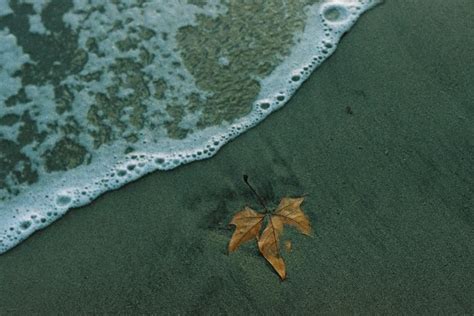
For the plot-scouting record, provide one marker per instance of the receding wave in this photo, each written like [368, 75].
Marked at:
[95, 94]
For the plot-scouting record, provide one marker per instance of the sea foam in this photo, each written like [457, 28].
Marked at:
[119, 89]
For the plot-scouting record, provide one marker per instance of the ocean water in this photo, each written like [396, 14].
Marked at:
[97, 93]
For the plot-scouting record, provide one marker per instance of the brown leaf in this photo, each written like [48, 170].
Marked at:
[248, 224]
[290, 212]
[269, 245]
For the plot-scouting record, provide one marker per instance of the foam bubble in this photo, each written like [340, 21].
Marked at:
[63, 200]
[334, 13]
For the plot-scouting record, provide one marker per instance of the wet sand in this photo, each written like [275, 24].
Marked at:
[380, 138]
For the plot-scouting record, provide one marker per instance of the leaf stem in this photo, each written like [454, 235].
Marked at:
[259, 198]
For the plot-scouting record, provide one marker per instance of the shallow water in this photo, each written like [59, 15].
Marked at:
[96, 94]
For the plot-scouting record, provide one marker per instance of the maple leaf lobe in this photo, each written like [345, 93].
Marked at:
[248, 224]
[290, 212]
[269, 245]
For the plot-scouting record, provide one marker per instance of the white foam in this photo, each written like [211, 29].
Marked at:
[38, 5]
[36, 25]
[54, 194]
[5, 8]
[12, 59]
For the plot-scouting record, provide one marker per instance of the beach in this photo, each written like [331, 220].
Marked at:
[379, 138]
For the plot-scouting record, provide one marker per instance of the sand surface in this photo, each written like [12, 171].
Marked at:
[380, 137]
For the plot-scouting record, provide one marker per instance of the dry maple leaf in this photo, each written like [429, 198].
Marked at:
[249, 223]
